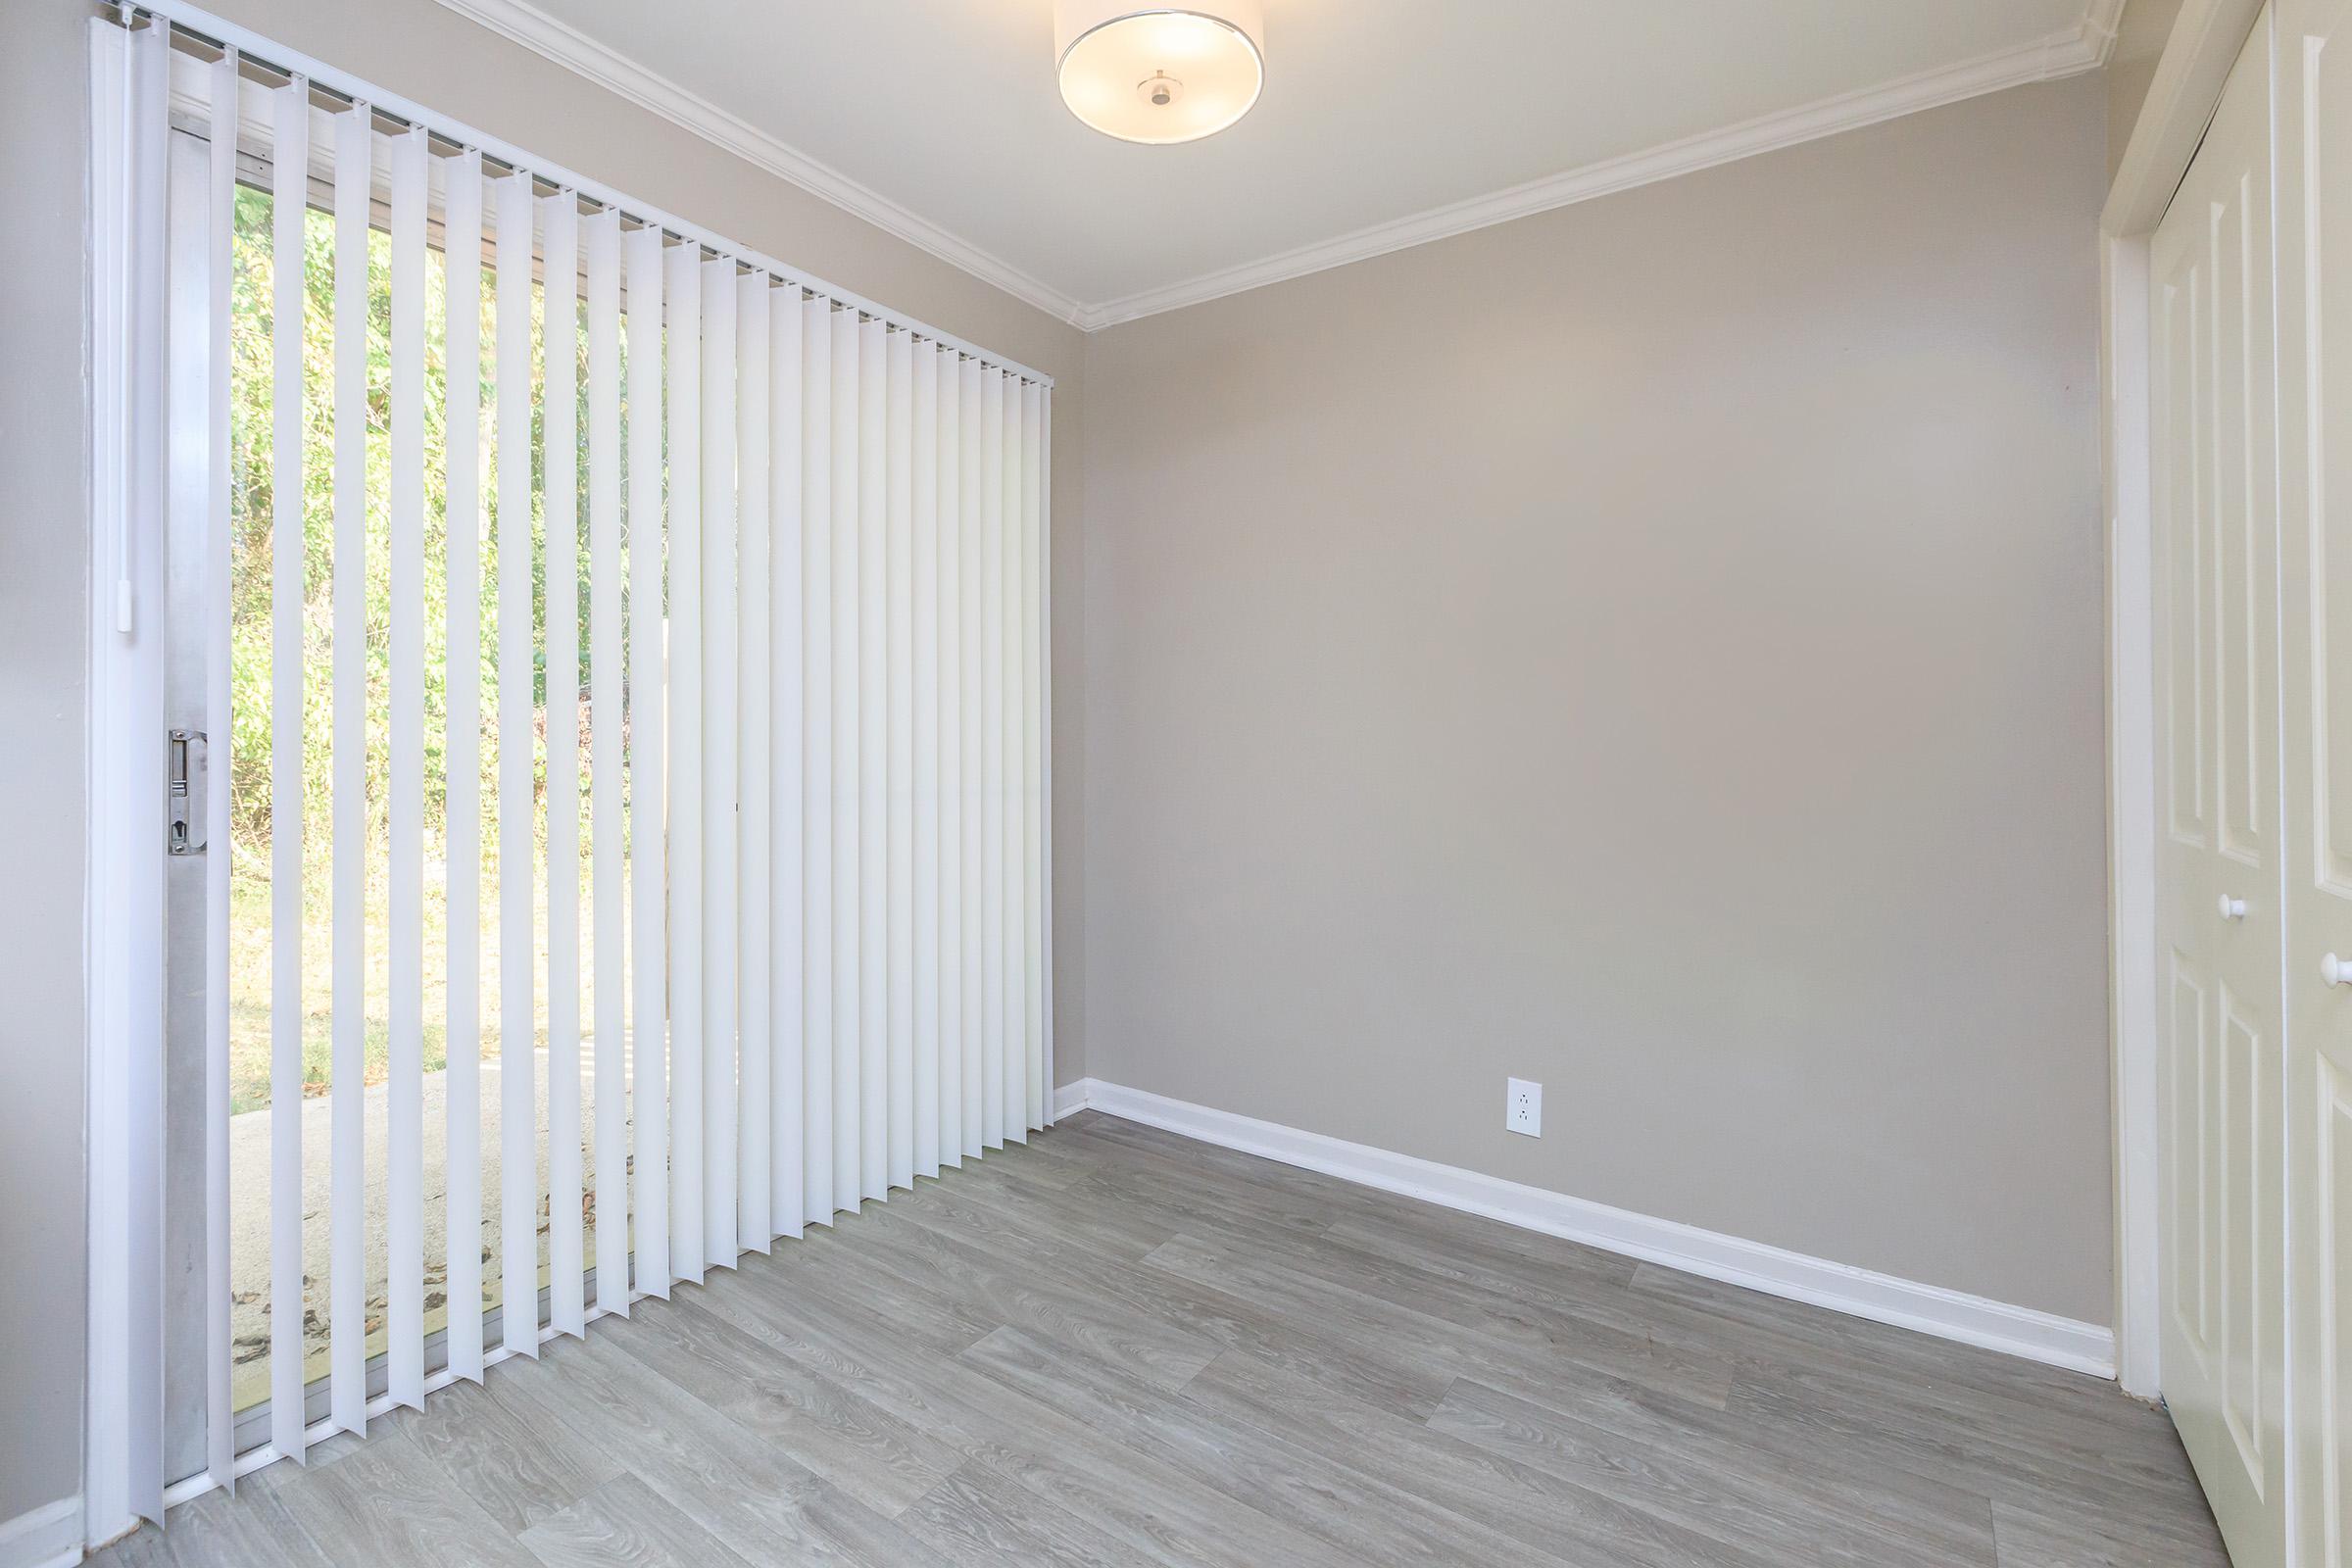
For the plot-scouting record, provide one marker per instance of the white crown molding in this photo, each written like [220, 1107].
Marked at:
[567, 47]
[2062, 54]
[2084, 47]
[1949, 1314]
[2101, 21]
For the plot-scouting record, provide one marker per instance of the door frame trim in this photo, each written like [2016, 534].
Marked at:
[2186, 88]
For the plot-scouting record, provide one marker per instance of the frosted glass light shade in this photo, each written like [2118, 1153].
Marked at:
[1158, 73]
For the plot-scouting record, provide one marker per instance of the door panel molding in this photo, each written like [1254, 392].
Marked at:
[2220, 873]
[2314, 330]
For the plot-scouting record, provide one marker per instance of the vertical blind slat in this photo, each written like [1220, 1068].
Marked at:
[874, 741]
[951, 760]
[993, 868]
[461, 235]
[752, 1187]
[649, 1005]
[923, 651]
[404, 1090]
[347, 1182]
[974, 678]
[219, 1420]
[817, 1161]
[787, 1203]
[682, 265]
[518, 1116]
[560, 345]
[719, 761]
[848, 928]
[1016, 929]
[602, 243]
[141, 395]
[898, 750]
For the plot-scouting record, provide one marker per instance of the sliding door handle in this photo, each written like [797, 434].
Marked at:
[180, 818]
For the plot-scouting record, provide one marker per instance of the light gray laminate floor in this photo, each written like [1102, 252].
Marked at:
[1115, 1345]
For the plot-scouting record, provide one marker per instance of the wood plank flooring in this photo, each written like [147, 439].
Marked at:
[1115, 1345]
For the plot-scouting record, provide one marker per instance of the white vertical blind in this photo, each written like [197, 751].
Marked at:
[649, 1097]
[754, 1184]
[720, 677]
[219, 717]
[923, 736]
[787, 1073]
[1016, 862]
[347, 1199]
[953, 1036]
[134, 485]
[898, 750]
[974, 764]
[873, 762]
[848, 932]
[560, 337]
[404, 1220]
[769, 718]
[517, 1111]
[288, 586]
[462, 233]
[817, 906]
[688, 1060]
[605, 706]
[994, 987]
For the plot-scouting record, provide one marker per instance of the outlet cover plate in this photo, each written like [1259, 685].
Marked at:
[1523, 1107]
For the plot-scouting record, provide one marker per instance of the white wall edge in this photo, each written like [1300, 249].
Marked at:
[2132, 993]
[1949, 1314]
[1070, 1097]
[47, 1537]
[559, 41]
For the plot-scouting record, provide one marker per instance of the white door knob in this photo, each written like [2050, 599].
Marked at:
[2336, 971]
[2233, 908]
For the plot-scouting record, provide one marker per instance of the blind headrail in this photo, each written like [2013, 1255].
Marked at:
[252, 48]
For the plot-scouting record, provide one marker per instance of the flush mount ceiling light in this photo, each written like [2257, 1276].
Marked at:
[1158, 73]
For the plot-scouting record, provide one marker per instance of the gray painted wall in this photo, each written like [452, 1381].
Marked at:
[1653, 648]
[422, 51]
[44, 583]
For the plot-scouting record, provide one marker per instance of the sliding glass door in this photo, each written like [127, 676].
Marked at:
[595, 679]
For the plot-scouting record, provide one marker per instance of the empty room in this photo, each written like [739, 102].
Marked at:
[1541, 783]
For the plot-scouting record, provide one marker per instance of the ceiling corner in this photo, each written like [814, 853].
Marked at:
[2102, 21]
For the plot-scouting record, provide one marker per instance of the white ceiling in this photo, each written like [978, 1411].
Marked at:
[1384, 122]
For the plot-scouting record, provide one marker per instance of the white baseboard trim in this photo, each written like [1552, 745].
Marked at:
[47, 1537]
[1070, 1097]
[1949, 1314]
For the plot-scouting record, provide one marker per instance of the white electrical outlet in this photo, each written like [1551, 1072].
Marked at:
[1523, 1107]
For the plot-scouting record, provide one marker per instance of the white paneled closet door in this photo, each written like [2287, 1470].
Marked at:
[2215, 520]
[2315, 314]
